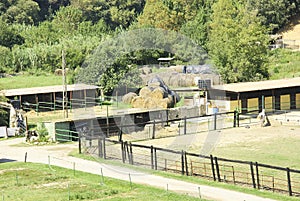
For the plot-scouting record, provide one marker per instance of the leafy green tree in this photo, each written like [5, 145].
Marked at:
[23, 11]
[3, 113]
[9, 36]
[275, 14]
[238, 44]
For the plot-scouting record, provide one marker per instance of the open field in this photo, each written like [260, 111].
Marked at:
[26, 181]
[28, 81]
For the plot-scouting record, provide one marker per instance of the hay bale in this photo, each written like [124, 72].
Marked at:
[127, 98]
[145, 91]
[138, 102]
[150, 103]
[163, 103]
[158, 93]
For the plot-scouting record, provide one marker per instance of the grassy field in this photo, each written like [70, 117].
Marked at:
[27, 81]
[26, 181]
[284, 64]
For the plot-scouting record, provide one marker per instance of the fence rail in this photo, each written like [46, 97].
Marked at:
[238, 172]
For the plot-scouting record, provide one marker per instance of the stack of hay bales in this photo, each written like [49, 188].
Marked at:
[155, 95]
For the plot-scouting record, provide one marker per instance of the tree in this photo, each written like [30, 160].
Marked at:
[275, 14]
[23, 11]
[3, 113]
[169, 14]
[9, 36]
[238, 44]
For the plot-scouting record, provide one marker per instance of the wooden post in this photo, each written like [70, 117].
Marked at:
[252, 175]
[186, 165]
[212, 167]
[155, 159]
[184, 131]
[122, 150]
[215, 121]
[257, 175]
[79, 144]
[217, 169]
[153, 131]
[104, 148]
[152, 160]
[233, 175]
[289, 181]
[100, 154]
[166, 165]
[182, 162]
[238, 119]
[131, 154]
[234, 118]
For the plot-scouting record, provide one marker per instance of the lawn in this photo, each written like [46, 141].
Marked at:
[28, 81]
[27, 181]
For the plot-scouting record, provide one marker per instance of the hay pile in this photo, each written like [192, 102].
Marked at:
[155, 95]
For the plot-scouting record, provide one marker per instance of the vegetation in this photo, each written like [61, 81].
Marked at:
[62, 184]
[33, 34]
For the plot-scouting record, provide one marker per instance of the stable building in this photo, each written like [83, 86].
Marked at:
[50, 94]
[272, 95]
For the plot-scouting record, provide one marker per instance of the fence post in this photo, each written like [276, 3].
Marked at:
[252, 175]
[153, 131]
[104, 148]
[238, 118]
[217, 169]
[122, 150]
[289, 181]
[212, 167]
[131, 154]
[234, 118]
[79, 144]
[100, 154]
[120, 134]
[182, 162]
[186, 165]
[152, 163]
[257, 175]
[155, 159]
[184, 130]
[215, 121]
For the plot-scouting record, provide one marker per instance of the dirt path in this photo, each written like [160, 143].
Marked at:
[59, 157]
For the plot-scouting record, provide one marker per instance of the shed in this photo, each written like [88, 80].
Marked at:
[50, 94]
[283, 94]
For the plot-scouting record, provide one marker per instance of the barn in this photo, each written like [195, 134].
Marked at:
[283, 94]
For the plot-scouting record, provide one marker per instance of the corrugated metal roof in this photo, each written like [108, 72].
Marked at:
[258, 86]
[48, 89]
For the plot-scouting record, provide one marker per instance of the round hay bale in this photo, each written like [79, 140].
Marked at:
[145, 91]
[127, 98]
[163, 103]
[158, 93]
[150, 103]
[154, 84]
[138, 102]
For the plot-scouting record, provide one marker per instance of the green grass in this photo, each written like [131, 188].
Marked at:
[284, 64]
[195, 180]
[27, 181]
[28, 81]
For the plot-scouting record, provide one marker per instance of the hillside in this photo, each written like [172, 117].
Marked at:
[292, 31]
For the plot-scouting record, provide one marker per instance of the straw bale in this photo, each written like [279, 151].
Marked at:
[145, 91]
[158, 93]
[127, 98]
[150, 103]
[138, 102]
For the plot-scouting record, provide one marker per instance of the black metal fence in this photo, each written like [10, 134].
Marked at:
[247, 173]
